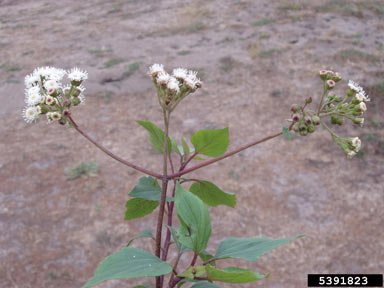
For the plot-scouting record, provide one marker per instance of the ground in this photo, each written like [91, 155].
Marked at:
[256, 58]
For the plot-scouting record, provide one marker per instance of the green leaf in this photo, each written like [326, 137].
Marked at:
[249, 249]
[175, 237]
[194, 215]
[204, 285]
[192, 272]
[129, 263]
[287, 134]
[212, 195]
[145, 233]
[233, 275]
[156, 136]
[174, 145]
[205, 256]
[147, 188]
[185, 149]
[211, 143]
[137, 208]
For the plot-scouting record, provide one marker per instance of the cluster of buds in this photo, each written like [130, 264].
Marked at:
[349, 145]
[171, 89]
[303, 122]
[46, 95]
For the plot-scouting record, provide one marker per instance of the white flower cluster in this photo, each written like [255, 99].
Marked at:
[360, 93]
[173, 88]
[45, 93]
[350, 146]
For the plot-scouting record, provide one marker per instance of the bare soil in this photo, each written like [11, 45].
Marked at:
[256, 58]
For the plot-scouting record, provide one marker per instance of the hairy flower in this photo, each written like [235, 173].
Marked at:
[173, 85]
[77, 75]
[356, 143]
[180, 73]
[354, 86]
[192, 81]
[31, 80]
[162, 78]
[156, 69]
[30, 114]
[33, 96]
[51, 84]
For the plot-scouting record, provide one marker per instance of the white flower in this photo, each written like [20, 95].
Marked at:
[362, 106]
[156, 69]
[77, 75]
[49, 73]
[363, 96]
[163, 78]
[173, 85]
[49, 100]
[192, 81]
[355, 86]
[30, 114]
[356, 143]
[31, 80]
[33, 98]
[180, 73]
[55, 116]
[51, 84]
[351, 154]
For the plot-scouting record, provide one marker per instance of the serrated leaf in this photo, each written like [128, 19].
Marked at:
[145, 233]
[249, 249]
[287, 134]
[212, 195]
[185, 149]
[194, 215]
[232, 275]
[156, 136]
[129, 263]
[211, 143]
[204, 285]
[137, 208]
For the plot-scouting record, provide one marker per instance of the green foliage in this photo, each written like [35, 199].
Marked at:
[132, 68]
[156, 136]
[211, 143]
[194, 216]
[193, 272]
[212, 195]
[137, 208]
[287, 134]
[147, 188]
[233, 275]
[129, 263]
[262, 22]
[176, 239]
[113, 62]
[204, 285]
[145, 234]
[249, 249]
[84, 168]
[186, 150]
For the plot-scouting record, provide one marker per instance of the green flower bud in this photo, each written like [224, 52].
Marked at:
[340, 121]
[316, 120]
[330, 84]
[304, 133]
[311, 128]
[302, 127]
[296, 127]
[359, 121]
[334, 120]
[323, 74]
[308, 120]
[76, 83]
[350, 93]
[295, 108]
[308, 100]
[296, 117]
[337, 99]
[75, 101]
[76, 92]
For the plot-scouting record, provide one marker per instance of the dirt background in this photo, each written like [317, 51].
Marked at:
[256, 58]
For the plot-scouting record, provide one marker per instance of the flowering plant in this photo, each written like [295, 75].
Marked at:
[45, 94]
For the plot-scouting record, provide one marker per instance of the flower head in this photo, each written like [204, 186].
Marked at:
[180, 73]
[192, 81]
[354, 86]
[31, 80]
[162, 78]
[51, 84]
[173, 85]
[77, 75]
[30, 114]
[156, 69]
[33, 96]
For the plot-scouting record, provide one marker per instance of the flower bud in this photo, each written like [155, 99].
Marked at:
[66, 113]
[361, 107]
[302, 127]
[340, 121]
[316, 120]
[303, 132]
[350, 93]
[55, 116]
[330, 84]
[49, 100]
[358, 121]
[52, 92]
[308, 119]
[295, 108]
[311, 128]
[296, 117]
[337, 99]
[76, 92]
[296, 127]
[75, 101]
[308, 100]
[336, 77]
[334, 120]
[323, 74]
[63, 121]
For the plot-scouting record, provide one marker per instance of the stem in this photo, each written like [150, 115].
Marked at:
[322, 97]
[194, 259]
[174, 268]
[111, 154]
[226, 155]
[159, 280]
